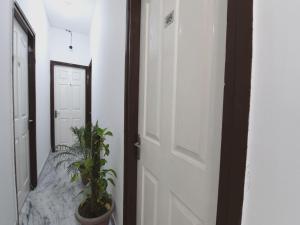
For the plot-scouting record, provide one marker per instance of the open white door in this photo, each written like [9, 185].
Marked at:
[180, 111]
[21, 111]
[69, 99]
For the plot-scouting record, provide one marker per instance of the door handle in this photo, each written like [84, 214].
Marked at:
[138, 146]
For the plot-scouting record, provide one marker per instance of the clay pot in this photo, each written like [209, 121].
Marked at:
[101, 220]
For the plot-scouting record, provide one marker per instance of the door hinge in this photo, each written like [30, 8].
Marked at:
[138, 146]
[30, 49]
[29, 123]
[55, 114]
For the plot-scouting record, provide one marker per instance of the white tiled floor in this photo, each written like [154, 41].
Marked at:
[54, 201]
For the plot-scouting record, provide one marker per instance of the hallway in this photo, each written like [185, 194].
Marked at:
[165, 112]
[63, 37]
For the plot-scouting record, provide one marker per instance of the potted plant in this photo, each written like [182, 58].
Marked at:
[97, 206]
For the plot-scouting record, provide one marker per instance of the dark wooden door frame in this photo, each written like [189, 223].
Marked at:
[21, 18]
[88, 95]
[235, 115]
[132, 64]
[235, 112]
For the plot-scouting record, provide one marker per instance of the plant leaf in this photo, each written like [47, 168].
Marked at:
[111, 181]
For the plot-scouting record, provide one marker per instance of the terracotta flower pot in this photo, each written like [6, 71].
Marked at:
[101, 220]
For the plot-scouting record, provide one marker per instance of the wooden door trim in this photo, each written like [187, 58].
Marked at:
[235, 115]
[235, 112]
[88, 95]
[22, 20]
[132, 64]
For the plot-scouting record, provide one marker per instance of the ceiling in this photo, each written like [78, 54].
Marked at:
[75, 15]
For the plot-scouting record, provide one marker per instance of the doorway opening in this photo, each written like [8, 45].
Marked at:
[70, 100]
[24, 94]
[236, 104]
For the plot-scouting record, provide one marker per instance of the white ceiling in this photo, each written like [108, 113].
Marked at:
[75, 15]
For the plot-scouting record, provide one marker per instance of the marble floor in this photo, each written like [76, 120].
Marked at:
[54, 200]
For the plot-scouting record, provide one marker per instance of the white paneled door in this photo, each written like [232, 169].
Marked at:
[21, 111]
[180, 111]
[69, 102]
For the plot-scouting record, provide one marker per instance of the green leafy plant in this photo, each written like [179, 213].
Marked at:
[87, 159]
[76, 157]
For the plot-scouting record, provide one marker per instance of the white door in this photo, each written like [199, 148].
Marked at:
[180, 111]
[69, 102]
[21, 112]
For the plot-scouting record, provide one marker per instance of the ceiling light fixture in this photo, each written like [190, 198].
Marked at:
[71, 41]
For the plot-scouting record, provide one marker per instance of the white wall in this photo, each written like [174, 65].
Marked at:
[108, 35]
[7, 187]
[272, 193]
[35, 13]
[59, 47]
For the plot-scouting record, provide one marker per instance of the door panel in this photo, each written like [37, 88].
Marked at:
[180, 213]
[150, 115]
[69, 98]
[153, 71]
[21, 111]
[150, 200]
[180, 111]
